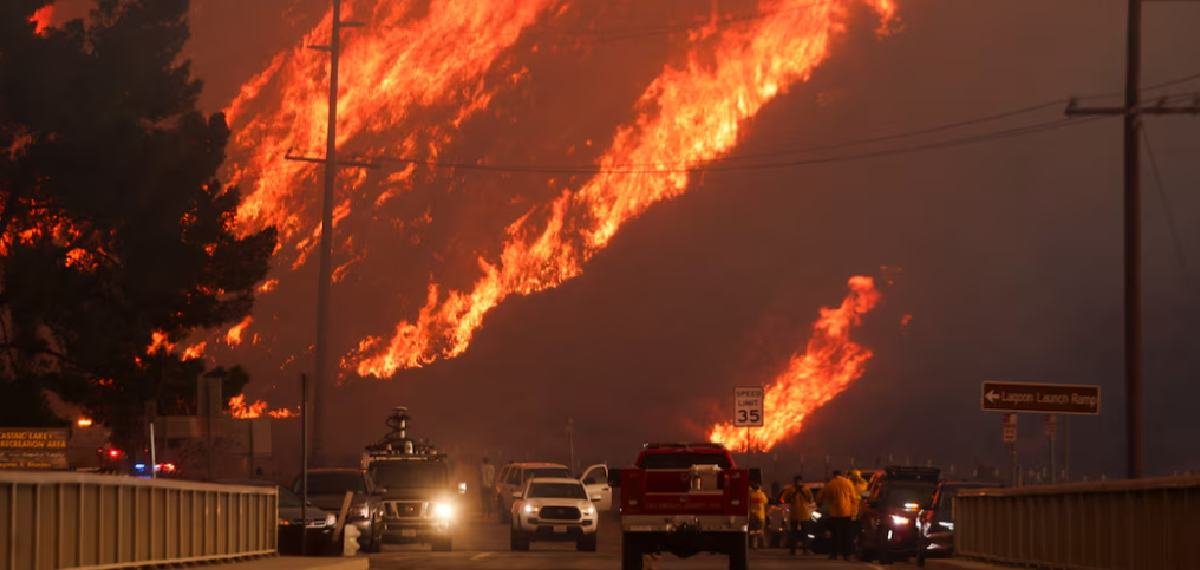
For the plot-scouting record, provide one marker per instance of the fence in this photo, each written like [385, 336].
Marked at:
[67, 520]
[1128, 524]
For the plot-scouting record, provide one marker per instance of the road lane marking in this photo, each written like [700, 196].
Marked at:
[481, 556]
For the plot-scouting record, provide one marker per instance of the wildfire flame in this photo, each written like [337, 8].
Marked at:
[402, 63]
[42, 19]
[685, 118]
[240, 409]
[829, 363]
[233, 336]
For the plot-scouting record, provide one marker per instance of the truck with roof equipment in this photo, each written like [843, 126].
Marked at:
[412, 480]
[686, 499]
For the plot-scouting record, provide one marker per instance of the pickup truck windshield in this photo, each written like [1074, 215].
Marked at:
[547, 473]
[683, 460]
[393, 475]
[556, 491]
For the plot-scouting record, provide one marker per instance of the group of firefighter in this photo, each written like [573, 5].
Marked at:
[838, 502]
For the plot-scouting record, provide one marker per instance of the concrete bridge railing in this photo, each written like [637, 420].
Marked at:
[1150, 524]
[69, 520]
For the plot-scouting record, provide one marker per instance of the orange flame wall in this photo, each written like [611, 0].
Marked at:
[829, 363]
[401, 65]
[686, 117]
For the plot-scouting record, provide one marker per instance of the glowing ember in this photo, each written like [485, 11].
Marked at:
[268, 286]
[282, 413]
[159, 341]
[239, 408]
[686, 118]
[233, 336]
[42, 18]
[195, 351]
[829, 363]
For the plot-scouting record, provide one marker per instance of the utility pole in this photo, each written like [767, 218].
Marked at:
[323, 373]
[1132, 112]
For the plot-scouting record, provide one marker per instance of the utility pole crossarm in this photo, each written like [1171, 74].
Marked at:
[1161, 108]
[340, 163]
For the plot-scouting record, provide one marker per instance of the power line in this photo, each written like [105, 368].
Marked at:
[633, 169]
[1172, 227]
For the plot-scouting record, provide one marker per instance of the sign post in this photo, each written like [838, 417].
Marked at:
[1032, 397]
[748, 409]
[1012, 398]
[1051, 428]
[1008, 433]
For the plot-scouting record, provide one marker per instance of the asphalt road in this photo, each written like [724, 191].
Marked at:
[482, 545]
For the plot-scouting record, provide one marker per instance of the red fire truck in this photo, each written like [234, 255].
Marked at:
[686, 499]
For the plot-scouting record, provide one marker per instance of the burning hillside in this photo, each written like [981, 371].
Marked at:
[829, 363]
[417, 78]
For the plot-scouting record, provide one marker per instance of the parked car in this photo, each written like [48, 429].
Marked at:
[936, 523]
[311, 524]
[553, 509]
[512, 478]
[888, 519]
[327, 487]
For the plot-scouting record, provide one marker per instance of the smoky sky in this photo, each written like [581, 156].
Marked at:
[1010, 250]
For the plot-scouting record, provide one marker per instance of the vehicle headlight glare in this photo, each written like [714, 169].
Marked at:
[588, 511]
[330, 519]
[364, 511]
[443, 510]
[947, 525]
[898, 520]
[530, 508]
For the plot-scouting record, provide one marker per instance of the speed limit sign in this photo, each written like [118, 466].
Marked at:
[748, 406]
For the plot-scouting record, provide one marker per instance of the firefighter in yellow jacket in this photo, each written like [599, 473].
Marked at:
[841, 500]
[801, 505]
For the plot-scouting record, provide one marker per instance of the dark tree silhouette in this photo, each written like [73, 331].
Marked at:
[113, 225]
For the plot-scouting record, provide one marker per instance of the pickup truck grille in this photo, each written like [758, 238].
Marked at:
[405, 509]
[559, 513]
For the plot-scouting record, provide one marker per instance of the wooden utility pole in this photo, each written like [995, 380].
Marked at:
[1132, 112]
[323, 375]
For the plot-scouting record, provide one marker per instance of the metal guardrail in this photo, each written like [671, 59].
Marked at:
[70, 520]
[1150, 524]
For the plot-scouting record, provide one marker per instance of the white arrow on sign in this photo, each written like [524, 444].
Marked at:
[991, 396]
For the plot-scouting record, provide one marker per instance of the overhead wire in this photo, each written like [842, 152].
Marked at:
[1168, 211]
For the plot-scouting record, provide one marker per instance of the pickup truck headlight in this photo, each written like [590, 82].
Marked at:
[588, 511]
[529, 508]
[443, 511]
[898, 520]
[330, 519]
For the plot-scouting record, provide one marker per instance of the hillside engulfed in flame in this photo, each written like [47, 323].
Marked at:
[401, 65]
[829, 363]
[688, 116]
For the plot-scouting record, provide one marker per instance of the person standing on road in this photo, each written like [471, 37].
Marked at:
[487, 486]
[842, 500]
[801, 505]
[758, 514]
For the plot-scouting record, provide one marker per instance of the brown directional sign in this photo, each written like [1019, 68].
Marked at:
[996, 396]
